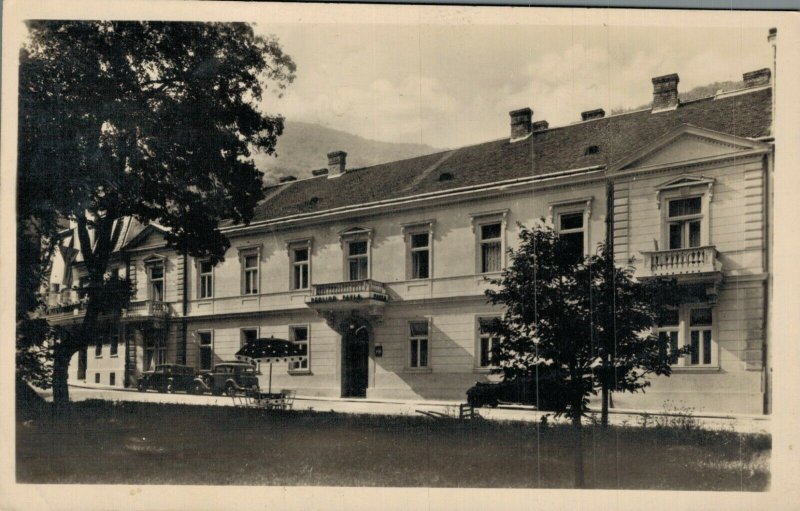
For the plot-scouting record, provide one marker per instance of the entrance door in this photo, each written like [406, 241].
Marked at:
[356, 363]
[82, 364]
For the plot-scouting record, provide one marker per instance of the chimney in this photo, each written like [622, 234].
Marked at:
[598, 113]
[756, 78]
[665, 92]
[286, 179]
[520, 123]
[319, 172]
[336, 163]
[540, 126]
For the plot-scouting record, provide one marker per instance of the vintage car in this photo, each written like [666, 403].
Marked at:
[522, 390]
[167, 378]
[228, 377]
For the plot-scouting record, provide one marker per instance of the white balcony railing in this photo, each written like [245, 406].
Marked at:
[683, 261]
[146, 308]
[349, 292]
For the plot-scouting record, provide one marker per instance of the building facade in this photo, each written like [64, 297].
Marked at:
[381, 271]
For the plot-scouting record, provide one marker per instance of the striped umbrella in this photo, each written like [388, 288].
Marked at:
[269, 350]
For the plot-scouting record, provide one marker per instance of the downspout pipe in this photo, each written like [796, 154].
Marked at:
[184, 308]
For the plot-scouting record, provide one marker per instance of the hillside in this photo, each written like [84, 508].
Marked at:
[303, 147]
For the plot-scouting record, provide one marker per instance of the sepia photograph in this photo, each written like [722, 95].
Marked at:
[341, 247]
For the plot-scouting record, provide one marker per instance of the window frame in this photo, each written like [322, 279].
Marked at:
[158, 346]
[151, 281]
[411, 338]
[684, 330]
[409, 231]
[685, 187]
[246, 252]
[98, 347]
[113, 345]
[292, 328]
[479, 336]
[292, 246]
[201, 346]
[201, 276]
[684, 221]
[355, 235]
[479, 220]
[570, 207]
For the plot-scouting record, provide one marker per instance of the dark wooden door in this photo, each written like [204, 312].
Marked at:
[356, 363]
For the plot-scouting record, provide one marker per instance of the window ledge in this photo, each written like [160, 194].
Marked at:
[488, 275]
[98, 356]
[695, 369]
[482, 370]
[300, 372]
[421, 370]
[113, 356]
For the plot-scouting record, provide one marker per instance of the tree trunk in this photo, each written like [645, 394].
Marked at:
[578, 446]
[61, 357]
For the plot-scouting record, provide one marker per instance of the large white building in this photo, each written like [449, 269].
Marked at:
[382, 270]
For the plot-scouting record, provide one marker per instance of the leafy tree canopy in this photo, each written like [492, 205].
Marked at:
[574, 323]
[155, 120]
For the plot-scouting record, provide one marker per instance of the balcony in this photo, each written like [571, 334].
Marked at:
[698, 264]
[146, 309]
[356, 294]
[62, 311]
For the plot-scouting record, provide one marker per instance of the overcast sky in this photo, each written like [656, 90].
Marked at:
[452, 85]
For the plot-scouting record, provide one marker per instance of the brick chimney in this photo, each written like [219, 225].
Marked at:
[756, 78]
[520, 123]
[665, 92]
[598, 113]
[539, 126]
[336, 163]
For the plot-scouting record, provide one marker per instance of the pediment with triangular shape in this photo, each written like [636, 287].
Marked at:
[151, 236]
[688, 144]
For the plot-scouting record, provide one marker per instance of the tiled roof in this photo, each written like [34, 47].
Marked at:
[746, 114]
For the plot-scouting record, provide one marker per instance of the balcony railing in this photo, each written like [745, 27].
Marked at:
[684, 261]
[145, 309]
[367, 290]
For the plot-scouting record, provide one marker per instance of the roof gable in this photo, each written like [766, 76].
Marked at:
[151, 236]
[687, 143]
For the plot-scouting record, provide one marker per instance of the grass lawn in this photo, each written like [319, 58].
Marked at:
[149, 443]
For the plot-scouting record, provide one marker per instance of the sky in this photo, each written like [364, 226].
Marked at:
[450, 85]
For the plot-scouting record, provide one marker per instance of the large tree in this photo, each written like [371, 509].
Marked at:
[151, 120]
[576, 326]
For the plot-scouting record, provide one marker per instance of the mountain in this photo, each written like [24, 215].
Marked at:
[303, 147]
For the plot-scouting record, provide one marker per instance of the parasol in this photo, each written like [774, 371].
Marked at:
[269, 350]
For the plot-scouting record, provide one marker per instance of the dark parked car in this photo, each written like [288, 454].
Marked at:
[521, 390]
[227, 377]
[167, 378]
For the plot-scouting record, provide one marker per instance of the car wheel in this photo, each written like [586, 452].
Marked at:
[230, 389]
[141, 387]
[197, 388]
[170, 388]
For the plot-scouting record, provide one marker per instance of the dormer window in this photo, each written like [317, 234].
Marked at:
[445, 176]
[592, 149]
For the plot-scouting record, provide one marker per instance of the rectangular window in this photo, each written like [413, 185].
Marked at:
[250, 275]
[418, 344]
[420, 255]
[486, 342]
[571, 234]
[206, 287]
[300, 270]
[157, 282]
[114, 345]
[692, 327]
[668, 329]
[491, 247]
[299, 335]
[247, 335]
[155, 352]
[97, 377]
[112, 379]
[206, 350]
[684, 221]
[357, 260]
[700, 336]
[98, 347]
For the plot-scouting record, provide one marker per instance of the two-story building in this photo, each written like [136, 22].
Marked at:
[381, 271]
